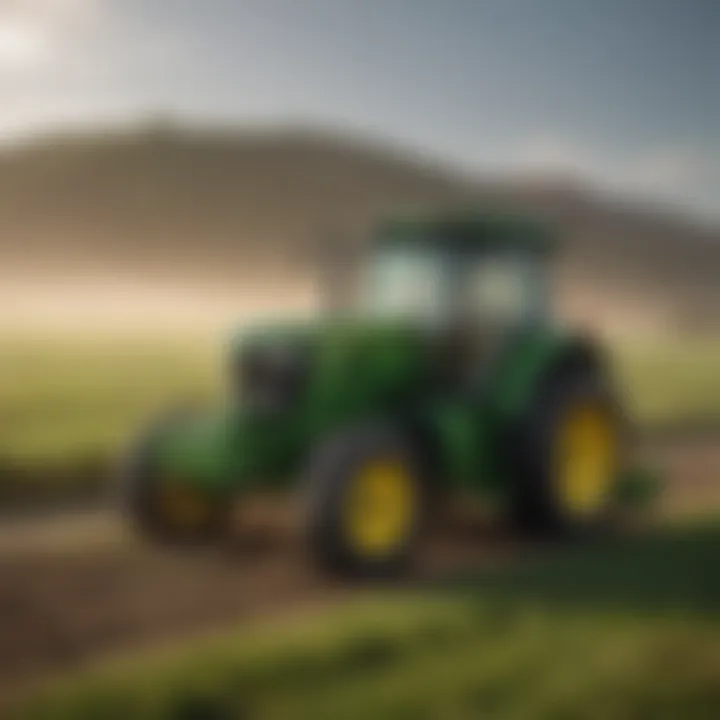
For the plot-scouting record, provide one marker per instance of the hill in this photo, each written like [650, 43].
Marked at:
[173, 205]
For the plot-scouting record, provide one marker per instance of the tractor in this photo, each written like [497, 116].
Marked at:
[442, 374]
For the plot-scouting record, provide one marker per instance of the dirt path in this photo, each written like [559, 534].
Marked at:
[59, 611]
[62, 608]
[75, 588]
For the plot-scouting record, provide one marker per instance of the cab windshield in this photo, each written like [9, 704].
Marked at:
[428, 283]
[406, 282]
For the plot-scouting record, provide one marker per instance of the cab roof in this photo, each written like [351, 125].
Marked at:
[471, 231]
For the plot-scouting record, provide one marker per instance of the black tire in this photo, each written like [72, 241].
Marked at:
[139, 486]
[333, 470]
[537, 508]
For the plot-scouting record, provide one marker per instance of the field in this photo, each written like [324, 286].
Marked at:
[673, 383]
[625, 629]
[69, 403]
[490, 627]
[68, 397]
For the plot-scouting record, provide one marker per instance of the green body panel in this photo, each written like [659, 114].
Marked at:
[362, 373]
[473, 431]
[358, 373]
[522, 371]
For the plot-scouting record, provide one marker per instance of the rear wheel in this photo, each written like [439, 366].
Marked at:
[367, 503]
[568, 457]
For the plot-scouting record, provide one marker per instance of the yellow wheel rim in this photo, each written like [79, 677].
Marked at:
[586, 459]
[183, 507]
[381, 508]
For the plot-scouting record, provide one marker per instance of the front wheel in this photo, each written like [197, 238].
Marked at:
[164, 507]
[367, 503]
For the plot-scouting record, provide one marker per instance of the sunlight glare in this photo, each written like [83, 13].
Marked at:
[22, 44]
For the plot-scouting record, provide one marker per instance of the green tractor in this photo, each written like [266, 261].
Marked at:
[443, 375]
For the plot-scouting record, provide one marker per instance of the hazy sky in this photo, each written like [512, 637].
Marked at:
[626, 92]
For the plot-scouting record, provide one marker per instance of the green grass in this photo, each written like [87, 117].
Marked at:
[629, 629]
[68, 403]
[68, 397]
[668, 383]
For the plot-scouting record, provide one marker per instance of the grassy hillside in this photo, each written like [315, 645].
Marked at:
[203, 202]
[623, 630]
[172, 203]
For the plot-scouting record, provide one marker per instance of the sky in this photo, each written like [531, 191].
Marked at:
[623, 93]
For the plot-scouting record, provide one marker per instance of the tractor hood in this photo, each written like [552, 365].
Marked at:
[304, 330]
[351, 336]
[347, 364]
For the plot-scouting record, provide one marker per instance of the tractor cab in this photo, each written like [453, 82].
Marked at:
[473, 283]
[483, 271]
